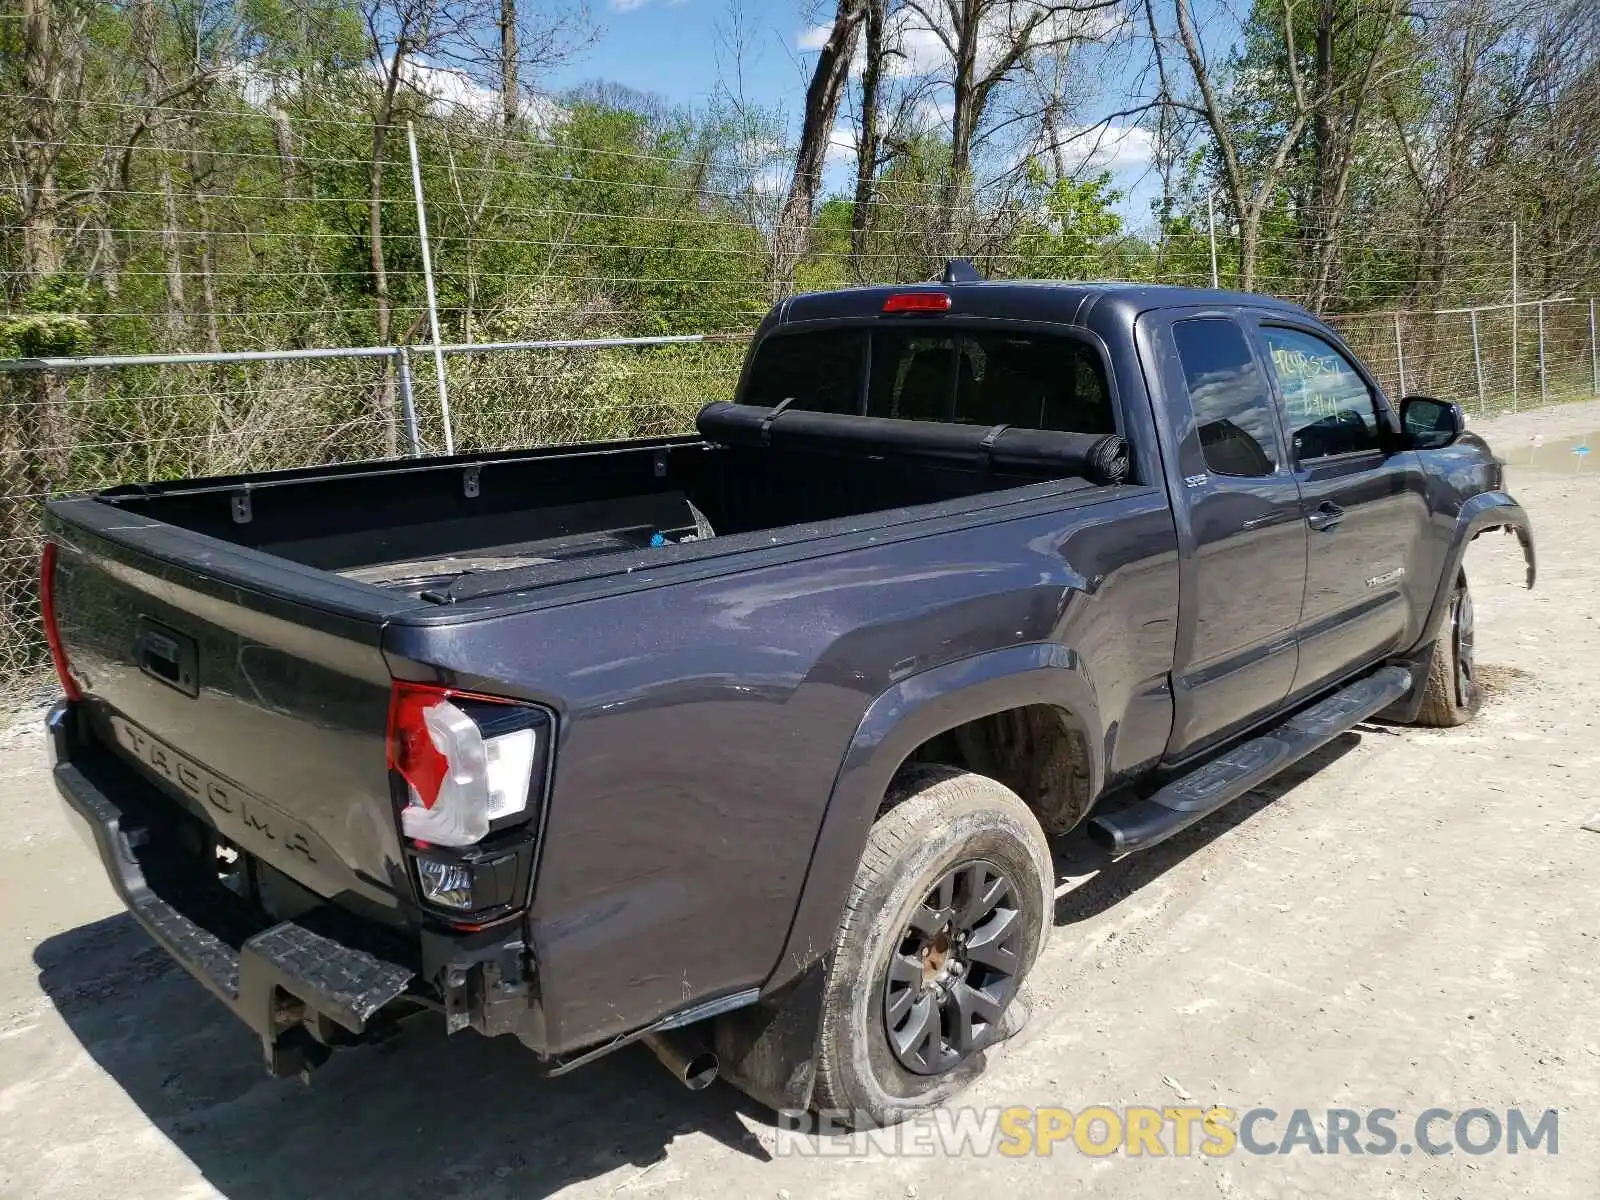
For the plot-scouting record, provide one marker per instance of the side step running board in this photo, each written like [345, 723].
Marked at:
[1185, 800]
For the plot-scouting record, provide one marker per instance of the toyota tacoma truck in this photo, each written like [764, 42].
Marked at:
[747, 744]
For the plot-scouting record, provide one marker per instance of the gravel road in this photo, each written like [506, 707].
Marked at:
[1411, 919]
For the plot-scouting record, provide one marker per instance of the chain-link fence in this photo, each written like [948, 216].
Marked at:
[79, 425]
[510, 394]
[1492, 358]
[111, 421]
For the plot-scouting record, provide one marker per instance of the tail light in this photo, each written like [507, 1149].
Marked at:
[467, 761]
[52, 628]
[471, 769]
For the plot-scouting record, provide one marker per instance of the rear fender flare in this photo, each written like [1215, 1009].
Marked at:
[899, 720]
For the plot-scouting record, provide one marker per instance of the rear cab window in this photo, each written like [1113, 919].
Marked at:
[950, 374]
[817, 371]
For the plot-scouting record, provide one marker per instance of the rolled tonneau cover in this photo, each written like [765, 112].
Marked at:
[1101, 458]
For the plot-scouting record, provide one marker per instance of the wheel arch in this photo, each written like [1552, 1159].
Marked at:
[1481, 513]
[904, 718]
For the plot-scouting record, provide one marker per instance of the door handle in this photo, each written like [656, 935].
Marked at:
[1326, 516]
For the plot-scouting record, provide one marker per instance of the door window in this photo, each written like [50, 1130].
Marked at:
[1329, 407]
[1232, 408]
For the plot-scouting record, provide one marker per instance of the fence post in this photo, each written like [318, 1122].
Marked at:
[1477, 365]
[408, 404]
[1211, 223]
[427, 279]
[1399, 353]
[1514, 315]
[1594, 351]
[1544, 391]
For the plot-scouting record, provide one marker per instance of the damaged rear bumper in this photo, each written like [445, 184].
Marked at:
[327, 978]
[296, 984]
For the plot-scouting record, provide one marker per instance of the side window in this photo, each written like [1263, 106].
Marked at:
[817, 371]
[1232, 408]
[1329, 407]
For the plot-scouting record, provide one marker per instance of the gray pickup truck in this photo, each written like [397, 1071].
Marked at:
[747, 744]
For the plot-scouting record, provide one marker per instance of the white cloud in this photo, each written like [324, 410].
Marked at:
[448, 87]
[258, 86]
[756, 150]
[1107, 148]
[452, 86]
[938, 111]
[841, 145]
[627, 6]
[542, 112]
[1088, 150]
[922, 50]
[771, 182]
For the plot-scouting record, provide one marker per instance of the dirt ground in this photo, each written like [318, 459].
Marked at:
[1411, 919]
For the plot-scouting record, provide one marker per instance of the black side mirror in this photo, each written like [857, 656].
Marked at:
[1430, 424]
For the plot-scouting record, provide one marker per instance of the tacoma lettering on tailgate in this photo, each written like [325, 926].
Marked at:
[246, 817]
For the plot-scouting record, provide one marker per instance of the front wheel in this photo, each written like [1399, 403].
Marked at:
[1452, 694]
[949, 909]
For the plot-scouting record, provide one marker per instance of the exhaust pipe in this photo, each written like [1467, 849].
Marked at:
[692, 1063]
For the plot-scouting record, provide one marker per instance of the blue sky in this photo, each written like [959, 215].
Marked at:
[681, 49]
[678, 48]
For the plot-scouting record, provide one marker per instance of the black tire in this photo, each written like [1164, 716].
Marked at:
[1452, 694]
[943, 824]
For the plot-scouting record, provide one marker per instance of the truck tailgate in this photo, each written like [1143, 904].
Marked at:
[251, 690]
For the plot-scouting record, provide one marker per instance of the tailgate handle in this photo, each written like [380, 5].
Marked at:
[168, 656]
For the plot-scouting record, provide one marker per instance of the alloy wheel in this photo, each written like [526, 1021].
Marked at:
[954, 969]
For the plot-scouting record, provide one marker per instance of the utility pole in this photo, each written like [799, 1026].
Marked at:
[1399, 354]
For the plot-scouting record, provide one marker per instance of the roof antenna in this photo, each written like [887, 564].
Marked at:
[961, 270]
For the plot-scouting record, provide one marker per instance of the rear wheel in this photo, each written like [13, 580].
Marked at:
[1452, 694]
[948, 911]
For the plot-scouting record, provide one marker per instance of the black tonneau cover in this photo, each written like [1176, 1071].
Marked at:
[1100, 458]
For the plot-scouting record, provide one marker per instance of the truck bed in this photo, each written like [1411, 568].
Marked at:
[235, 643]
[442, 530]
